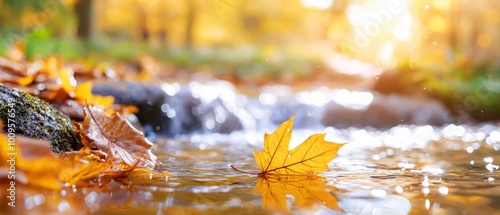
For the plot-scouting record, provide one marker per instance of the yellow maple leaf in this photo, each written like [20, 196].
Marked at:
[83, 93]
[25, 81]
[83, 90]
[68, 82]
[307, 191]
[51, 66]
[309, 158]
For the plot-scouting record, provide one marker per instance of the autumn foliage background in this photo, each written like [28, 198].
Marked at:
[443, 49]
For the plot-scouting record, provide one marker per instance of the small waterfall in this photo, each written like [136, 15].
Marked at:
[170, 109]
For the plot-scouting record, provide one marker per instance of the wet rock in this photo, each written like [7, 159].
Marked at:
[222, 109]
[180, 113]
[375, 115]
[147, 98]
[306, 116]
[402, 81]
[159, 113]
[171, 109]
[217, 118]
[386, 111]
[36, 118]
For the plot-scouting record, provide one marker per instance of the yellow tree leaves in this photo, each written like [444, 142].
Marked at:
[294, 172]
[52, 81]
[82, 93]
[307, 159]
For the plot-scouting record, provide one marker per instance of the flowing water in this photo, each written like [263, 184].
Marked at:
[404, 169]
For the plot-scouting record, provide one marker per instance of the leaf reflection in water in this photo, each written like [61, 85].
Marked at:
[307, 191]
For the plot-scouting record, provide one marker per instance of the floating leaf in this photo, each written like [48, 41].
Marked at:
[116, 137]
[309, 158]
[308, 192]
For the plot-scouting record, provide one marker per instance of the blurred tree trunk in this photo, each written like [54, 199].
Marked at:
[164, 17]
[143, 28]
[84, 12]
[454, 16]
[191, 13]
[163, 37]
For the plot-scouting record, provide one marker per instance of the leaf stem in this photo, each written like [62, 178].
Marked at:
[243, 171]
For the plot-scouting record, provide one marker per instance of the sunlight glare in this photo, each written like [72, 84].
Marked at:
[357, 100]
[344, 65]
[320, 4]
[402, 30]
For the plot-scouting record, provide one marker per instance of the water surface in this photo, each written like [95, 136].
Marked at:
[451, 169]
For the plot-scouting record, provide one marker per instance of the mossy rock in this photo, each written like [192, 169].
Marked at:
[36, 118]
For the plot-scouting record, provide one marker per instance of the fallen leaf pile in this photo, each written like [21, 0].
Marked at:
[67, 87]
[50, 80]
[113, 149]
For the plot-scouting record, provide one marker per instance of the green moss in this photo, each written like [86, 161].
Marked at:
[36, 118]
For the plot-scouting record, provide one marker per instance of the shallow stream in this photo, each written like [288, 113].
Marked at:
[415, 168]
[451, 169]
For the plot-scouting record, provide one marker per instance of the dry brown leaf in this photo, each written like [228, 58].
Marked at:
[14, 68]
[116, 137]
[17, 73]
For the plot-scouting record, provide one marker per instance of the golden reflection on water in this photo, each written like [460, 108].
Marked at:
[307, 192]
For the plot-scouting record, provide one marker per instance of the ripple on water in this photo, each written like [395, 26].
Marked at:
[406, 169]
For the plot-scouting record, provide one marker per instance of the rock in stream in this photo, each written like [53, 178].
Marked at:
[36, 118]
